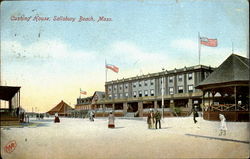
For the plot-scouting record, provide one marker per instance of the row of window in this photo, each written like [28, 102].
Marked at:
[180, 77]
[152, 93]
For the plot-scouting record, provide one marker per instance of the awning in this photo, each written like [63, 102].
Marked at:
[8, 92]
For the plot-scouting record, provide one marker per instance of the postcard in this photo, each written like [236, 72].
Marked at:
[124, 79]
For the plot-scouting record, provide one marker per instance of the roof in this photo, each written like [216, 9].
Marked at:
[234, 69]
[8, 92]
[99, 94]
[60, 108]
[165, 72]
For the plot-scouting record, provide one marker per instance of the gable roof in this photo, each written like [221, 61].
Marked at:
[60, 108]
[100, 95]
[234, 69]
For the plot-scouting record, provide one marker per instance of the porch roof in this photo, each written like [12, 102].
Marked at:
[8, 92]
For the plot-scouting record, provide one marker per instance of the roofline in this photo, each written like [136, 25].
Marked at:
[166, 72]
[225, 84]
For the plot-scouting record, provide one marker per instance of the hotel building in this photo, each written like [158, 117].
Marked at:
[138, 94]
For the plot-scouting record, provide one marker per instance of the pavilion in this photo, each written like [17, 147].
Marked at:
[226, 90]
[61, 108]
[10, 115]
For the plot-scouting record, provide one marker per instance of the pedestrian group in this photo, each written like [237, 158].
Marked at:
[154, 119]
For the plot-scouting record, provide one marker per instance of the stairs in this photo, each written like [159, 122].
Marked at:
[130, 115]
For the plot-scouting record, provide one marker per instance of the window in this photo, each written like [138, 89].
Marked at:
[180, 89]
[126, 94]
[120, 87]
[121, 95]
[115, 96]
[110, 96]
[109, 89]
[146, 83]
[126, 86]
[140, 93]
[134, 84]
[180, 78]
[171, 90]
[152, 92]
[151, 82]
[190, 76]
[190, 88]
[114, 88]
[170, 79]
[146, 93]
[134, 94]
[206, 74]
[139, 83]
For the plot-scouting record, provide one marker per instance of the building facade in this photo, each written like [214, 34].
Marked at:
[83, 103]
[140, 93]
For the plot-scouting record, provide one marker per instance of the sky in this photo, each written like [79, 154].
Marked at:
[52, 59]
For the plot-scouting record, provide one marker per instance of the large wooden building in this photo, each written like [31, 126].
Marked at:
[136, 95]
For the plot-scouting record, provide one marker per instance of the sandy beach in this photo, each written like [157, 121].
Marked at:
[80, 138]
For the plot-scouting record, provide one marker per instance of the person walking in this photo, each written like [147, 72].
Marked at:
[91, 116]
[195, 114]
[223, 126]
[150, 119]
[57, 120]
[111, 120]
[158, 119]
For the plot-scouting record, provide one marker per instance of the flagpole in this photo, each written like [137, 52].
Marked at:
[80, 93]
[199, 47]
[106, 71]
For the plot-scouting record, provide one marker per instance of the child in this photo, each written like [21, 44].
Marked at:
[223, 126]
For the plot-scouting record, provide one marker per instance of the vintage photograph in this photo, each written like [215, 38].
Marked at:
[124, 79]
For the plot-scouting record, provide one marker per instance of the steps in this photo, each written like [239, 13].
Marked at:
[130, 115]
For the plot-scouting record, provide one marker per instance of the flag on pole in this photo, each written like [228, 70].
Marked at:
[83, 92]
[112, 67]
[208, 42]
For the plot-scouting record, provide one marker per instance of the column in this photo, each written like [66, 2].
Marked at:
[140, 109]
[125, 108]
[10, 105]
[113, 106]
[190, 103]
[156, 104]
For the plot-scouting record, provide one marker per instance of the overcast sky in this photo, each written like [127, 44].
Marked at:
[51, 60]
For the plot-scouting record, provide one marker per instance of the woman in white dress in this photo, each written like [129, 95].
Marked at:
[223, 126]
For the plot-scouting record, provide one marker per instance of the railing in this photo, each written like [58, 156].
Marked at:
[227, 107]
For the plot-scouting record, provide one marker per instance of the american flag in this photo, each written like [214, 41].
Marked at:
[112, 67]
[208, 42]
[83, 92]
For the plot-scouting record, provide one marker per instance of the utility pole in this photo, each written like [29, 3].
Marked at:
[162, 94]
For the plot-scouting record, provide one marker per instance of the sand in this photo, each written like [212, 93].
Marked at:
[80, 138]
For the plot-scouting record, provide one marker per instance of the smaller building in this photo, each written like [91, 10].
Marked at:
[62, 109]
